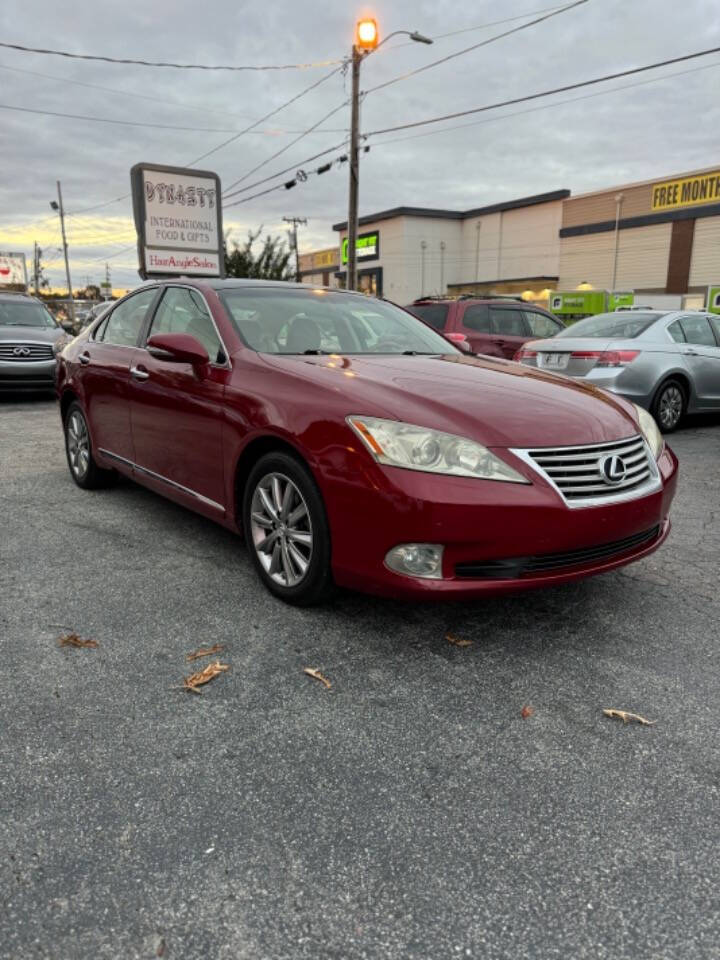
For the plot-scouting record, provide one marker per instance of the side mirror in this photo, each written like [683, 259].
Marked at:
[460, 341]
[178, 347]
[68, 326]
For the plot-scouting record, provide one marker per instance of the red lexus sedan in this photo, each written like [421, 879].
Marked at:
[353, 445]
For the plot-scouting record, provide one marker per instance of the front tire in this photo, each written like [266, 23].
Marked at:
[669, 405]
[78, 448]
[286, 530]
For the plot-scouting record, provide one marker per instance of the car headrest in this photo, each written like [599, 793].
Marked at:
[304, 334]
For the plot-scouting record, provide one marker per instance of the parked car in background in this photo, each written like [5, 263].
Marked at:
[353, 445]
[497, 327]
[30, 339]
[667, 362]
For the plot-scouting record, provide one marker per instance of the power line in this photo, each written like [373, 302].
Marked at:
[287, 146]
[545, 93]
[123, 123]
[281, 173]
[267, 116]
[476, 46]
[160, 63]
[547, 106]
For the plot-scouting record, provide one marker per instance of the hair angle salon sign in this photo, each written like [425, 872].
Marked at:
[178, 218]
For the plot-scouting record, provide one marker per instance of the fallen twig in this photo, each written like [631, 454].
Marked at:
[204, 652]
[317, 675]
[457, 641]
[73, 640]
[196, 680]
[628, 717]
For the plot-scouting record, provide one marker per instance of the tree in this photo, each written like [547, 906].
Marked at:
[271, 263]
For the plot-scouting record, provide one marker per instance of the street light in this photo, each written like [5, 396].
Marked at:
[366, 42]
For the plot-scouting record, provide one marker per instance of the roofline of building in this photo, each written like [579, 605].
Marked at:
[431, 213]
[644, 183]
[471, 283]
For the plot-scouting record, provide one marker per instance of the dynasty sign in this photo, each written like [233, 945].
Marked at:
[178, 221]
[691, 191]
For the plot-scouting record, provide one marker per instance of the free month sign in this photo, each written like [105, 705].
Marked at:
[178, 220]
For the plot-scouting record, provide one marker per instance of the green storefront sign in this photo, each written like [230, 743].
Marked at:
[366, 248]
[586, 303]
[713, 299]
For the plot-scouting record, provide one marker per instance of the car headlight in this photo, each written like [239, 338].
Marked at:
[418, 448]
[650, 430]
[61, 343]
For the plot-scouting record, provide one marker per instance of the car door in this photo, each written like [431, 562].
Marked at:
[701, 355]
[104, 374]
[473, 319]
[509, 329]
[176, 410]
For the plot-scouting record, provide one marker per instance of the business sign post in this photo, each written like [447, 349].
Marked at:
[713, 299]
[13, 270]
[178, 218]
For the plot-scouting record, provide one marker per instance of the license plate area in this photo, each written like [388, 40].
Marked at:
[555, 361]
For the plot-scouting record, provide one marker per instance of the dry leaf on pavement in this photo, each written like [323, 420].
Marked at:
[627, 717]
[526, 712]
[196, 680]
[73, 640]
[204, 652]
[457, 641]
[317, 675]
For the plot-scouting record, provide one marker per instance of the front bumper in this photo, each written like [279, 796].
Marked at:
[479, 522]
[36, 375]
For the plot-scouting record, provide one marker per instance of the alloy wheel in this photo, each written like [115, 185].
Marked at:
[78, 444]
[670, 407]
[281, 529]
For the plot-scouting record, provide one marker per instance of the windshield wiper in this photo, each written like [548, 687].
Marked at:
[316, 353]
[418, 353]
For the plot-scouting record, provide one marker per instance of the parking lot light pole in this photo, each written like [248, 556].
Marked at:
[366, 41]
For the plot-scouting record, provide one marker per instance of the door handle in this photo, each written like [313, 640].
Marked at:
[137, 373]
[690, 353]
[499, 340]
[84, 358]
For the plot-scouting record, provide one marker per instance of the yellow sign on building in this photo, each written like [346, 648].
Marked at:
[690, 191]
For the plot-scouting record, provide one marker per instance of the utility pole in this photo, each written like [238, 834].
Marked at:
[366, 40]
[442, 268]
[351, 282]
[423, 246]
[59, 207]
[295, 221]
[36, 269]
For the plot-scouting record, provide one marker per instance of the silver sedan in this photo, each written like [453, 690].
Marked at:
[667, 362]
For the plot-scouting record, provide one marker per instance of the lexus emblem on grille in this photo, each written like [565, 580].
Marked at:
[612, 469]
[21, 352]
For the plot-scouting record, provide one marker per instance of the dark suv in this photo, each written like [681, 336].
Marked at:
[30, 340]
[491, 325]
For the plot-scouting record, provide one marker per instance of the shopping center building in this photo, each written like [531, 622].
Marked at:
[656, 239]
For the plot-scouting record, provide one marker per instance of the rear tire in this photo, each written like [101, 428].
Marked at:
[669, 405]
[286, 530]
[78, 448]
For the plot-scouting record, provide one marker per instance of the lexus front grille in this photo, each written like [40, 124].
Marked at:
[597, 473]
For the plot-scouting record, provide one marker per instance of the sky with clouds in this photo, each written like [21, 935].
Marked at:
[609, 134]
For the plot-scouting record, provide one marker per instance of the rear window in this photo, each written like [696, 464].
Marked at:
[620, 326]
[434, 314]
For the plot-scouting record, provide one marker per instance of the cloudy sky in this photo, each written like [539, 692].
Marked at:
[613, 133]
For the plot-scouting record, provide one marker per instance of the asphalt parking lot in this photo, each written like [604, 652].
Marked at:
[408, 811]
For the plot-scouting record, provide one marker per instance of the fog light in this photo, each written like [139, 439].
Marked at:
[416, 560]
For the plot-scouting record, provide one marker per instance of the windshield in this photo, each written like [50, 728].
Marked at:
[320, 321]
[23, 313]
[619, 326]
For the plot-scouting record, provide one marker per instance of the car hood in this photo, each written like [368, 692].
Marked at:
[496, 402]
[38, 334]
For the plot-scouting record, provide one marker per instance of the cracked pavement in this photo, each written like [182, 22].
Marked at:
[407, 812]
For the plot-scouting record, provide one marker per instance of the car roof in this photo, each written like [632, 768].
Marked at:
[10, 295]
[500, 300]
[235, 283]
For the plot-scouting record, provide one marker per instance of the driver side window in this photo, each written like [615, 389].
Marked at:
[183, 310]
